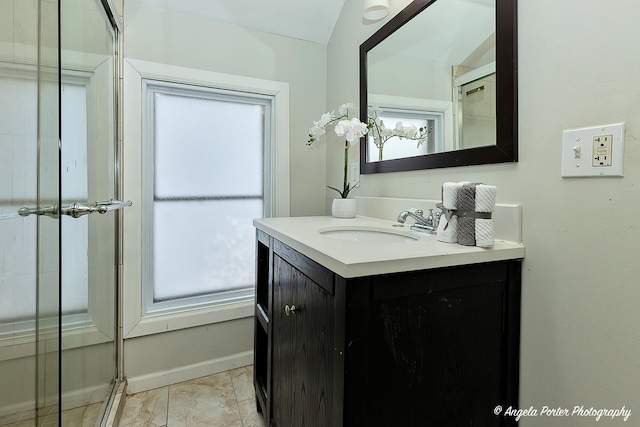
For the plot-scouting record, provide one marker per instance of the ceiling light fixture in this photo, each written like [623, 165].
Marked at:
[375, 10]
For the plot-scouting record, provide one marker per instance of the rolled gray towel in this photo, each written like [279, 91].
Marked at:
[467, 226]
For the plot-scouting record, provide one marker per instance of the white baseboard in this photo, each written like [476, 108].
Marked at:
[85, 396]
[189, 372]
[71, 399]
[11, 414]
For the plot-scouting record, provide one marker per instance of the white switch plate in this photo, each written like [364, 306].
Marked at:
[354, 175]
[580, 147]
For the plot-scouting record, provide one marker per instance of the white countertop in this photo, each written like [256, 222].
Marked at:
[355, 259]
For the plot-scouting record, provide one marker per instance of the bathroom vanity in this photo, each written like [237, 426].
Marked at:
[395, 330]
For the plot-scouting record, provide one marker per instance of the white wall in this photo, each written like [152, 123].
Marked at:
[578, 66]
[413, 83]
[176, 39]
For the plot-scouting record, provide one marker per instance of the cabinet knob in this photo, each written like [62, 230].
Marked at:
[289, 310]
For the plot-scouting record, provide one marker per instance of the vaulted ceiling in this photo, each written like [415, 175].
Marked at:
[311, 20]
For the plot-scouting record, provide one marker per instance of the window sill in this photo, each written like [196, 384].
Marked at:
[174, 321]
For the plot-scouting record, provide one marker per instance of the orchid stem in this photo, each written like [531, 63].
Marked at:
[346, 161]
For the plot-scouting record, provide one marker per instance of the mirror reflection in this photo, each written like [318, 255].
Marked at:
[431, 85]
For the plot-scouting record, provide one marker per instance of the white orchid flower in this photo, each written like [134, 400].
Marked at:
[410, 131]
[399, 130]
[324, 120]
[352, 130]
[342, 127]
[345, 108]
[317, 130]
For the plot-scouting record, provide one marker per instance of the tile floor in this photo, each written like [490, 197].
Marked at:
[226, 399]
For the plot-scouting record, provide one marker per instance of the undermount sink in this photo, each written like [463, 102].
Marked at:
[368, 234]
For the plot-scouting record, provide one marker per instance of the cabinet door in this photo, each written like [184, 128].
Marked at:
[438, 348]
[302, 361]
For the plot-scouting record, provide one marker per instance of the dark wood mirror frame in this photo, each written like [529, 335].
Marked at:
[506, 148]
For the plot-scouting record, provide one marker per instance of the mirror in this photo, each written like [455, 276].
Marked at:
[447, 69]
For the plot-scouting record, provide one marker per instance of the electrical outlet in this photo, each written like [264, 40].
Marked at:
[604, 143]
[602, 151]
[354, 175]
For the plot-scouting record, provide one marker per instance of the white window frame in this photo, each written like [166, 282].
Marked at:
[149, 89]
[136, 321]
[410, 114]
[443, 108]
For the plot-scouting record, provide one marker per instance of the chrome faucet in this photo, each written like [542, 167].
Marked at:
[425, 225]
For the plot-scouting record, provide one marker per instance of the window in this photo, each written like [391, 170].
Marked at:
[205, 175]
[184, 305]
[18, 146]
[438, 115]
[396, 148]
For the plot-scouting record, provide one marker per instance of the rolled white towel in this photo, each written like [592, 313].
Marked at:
[485, 202]
[485, 198]
[448, 230]
[484, 233]
[450, 193]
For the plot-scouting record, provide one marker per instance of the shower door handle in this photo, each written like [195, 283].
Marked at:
[77, 209]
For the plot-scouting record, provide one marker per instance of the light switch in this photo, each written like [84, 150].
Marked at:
[593, 151]
[577, 152]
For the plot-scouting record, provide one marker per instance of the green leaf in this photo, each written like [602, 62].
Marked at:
[336, 190]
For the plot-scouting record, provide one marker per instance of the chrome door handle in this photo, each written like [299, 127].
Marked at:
[77, 209]
[51, 211]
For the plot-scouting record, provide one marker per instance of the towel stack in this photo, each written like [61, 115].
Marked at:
[470, 223]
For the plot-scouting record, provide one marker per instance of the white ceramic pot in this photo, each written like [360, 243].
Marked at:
[343, 208]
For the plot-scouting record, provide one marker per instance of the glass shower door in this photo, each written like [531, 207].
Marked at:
[58, 234]
[89, 259]
[29, 224]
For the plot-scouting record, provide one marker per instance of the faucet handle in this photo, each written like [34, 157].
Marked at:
[436, 219]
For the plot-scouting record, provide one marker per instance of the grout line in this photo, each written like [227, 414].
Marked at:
[166, 417]
[235, 395]
[233, 385]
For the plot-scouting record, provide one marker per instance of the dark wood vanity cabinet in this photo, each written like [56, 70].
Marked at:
[436, 347]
